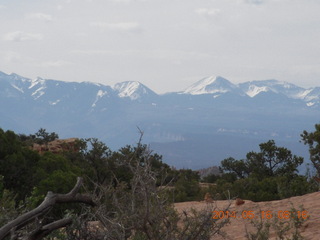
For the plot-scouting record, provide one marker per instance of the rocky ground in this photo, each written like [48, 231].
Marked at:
[278, 210]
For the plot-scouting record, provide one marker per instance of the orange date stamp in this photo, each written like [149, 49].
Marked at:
[260, 214]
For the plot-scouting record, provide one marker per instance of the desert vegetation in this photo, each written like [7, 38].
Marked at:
[270, 174]
[129, 193]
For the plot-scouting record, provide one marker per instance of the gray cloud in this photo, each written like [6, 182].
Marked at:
[208, 11]
[11, 57]
[120, 26]
[58, 63]
[128, 1]
[40, 16]
[255, 1]
[19, 36]
[182, 40]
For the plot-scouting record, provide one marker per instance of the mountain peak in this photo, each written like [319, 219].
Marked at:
[16, 77]
[254, 88]
[210, 85]
[132, 89]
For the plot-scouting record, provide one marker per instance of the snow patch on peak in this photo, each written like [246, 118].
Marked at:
[207, 81]
[133, 90]
[37, 81]
[38, 93]
[99, 95]
[41, 84]
[310, 104]
[312, 97]
[16, 87]
[254, 90]
[304, 94]
[54, 102]
[288, 85]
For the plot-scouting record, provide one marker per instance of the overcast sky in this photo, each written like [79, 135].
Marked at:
[165, 44]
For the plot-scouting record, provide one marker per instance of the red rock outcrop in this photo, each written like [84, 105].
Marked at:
[57, 146]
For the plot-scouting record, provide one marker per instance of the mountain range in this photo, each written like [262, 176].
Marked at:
[198, 127]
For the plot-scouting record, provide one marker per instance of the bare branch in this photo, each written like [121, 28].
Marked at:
[47, 229]
[50, 200]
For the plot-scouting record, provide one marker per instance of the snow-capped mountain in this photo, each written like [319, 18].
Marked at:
[211, 85]
[309, 96]
[12, 85]
[183, 126]
[48, 90]
[133, 90]
[253, 88]
[217, 86]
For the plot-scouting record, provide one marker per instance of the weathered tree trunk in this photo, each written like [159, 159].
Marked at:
[50, 200]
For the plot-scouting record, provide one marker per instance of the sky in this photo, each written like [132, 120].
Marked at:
[165, 44]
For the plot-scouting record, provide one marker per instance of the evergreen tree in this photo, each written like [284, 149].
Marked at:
[312, 139]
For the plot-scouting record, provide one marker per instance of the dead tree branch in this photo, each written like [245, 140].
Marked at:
[47, 229]
[50, 200]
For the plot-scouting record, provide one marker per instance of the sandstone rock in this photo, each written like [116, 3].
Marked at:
[239, 202]
[208, 198]
[57, 146]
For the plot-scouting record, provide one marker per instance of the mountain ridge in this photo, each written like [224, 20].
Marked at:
[215, 86]
[182, 126]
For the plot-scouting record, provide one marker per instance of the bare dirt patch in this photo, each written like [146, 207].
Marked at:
[236, 230]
